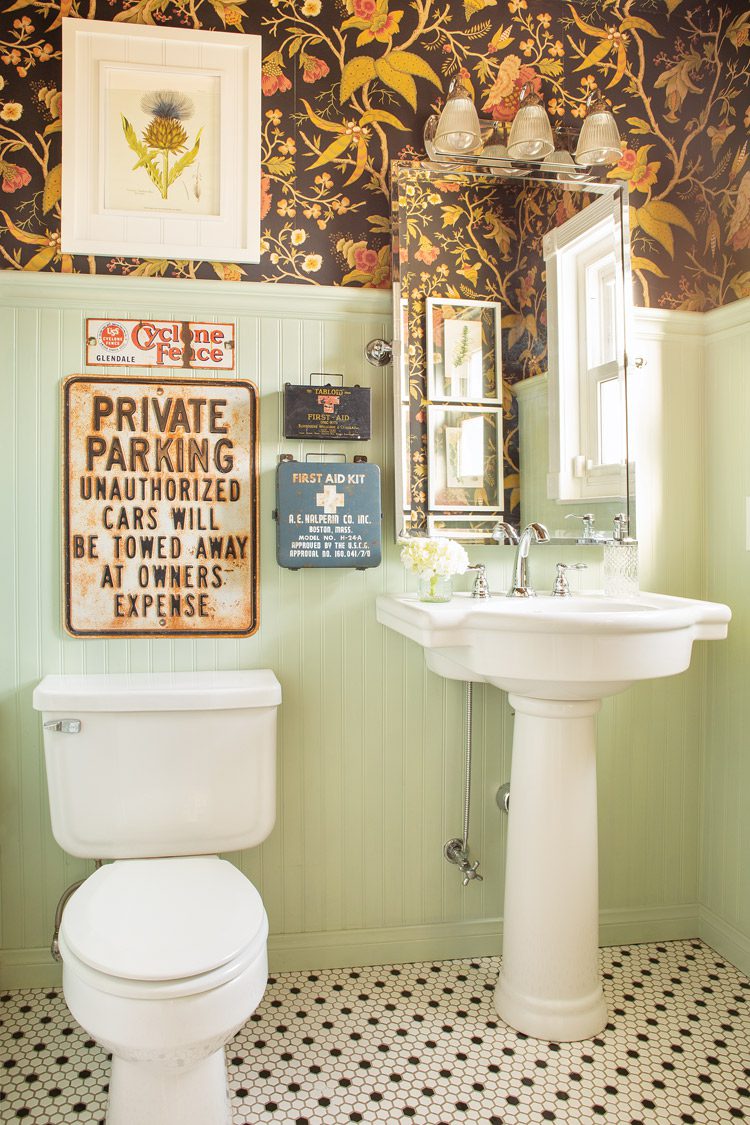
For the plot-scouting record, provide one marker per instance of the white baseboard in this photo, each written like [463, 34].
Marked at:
[34, 968]
[729, 942]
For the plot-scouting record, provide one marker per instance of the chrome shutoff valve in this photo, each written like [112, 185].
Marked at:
[470, 872]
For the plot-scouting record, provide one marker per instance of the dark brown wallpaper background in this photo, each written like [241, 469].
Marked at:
[347, 85]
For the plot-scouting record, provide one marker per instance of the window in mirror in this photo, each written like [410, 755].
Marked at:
[587, 440]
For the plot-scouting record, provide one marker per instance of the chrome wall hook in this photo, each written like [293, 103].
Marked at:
[379, 352]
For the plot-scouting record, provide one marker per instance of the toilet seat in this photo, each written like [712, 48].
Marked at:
[163, 927]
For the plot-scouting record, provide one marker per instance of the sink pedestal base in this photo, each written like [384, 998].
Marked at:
[549, 985]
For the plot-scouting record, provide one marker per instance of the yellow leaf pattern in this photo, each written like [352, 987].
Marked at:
[346, 89]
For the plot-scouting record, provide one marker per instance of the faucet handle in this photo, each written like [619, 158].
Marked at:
[481, 588]
[587, 525]
[470, 872]
[561, 588]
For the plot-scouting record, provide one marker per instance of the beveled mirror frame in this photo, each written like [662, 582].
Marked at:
[445, 218]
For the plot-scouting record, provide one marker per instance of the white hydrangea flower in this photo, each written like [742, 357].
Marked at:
[430, 557]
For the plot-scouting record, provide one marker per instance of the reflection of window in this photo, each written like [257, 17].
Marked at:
[585, 324]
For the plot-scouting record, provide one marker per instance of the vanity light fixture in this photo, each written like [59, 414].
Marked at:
[565, 167]
[531, 133]
[456, 137]
[430, 128]
[458, 130]
[599, 142]
[494, 156]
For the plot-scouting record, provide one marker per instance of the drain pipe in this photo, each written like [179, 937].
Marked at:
[455, 850]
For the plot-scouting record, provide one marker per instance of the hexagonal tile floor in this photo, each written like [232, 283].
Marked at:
[421, 1043]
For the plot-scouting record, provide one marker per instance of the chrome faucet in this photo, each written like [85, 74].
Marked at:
[503, 530]
[536, 533]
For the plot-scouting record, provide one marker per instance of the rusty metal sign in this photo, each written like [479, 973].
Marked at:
[159, 343]
[160, 507]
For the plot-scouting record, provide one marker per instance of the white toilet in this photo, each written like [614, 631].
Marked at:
[164, 950]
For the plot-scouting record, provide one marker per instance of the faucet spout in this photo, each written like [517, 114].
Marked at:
[532, 533]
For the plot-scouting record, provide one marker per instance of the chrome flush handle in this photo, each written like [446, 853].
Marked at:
[64, 726]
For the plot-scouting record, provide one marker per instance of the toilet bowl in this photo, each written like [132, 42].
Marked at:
[163, 962]
[164, 949]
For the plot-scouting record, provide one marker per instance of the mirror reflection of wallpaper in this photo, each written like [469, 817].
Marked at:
[347, 87]
[486, 233]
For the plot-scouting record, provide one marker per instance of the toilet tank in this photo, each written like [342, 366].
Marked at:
[163, 764]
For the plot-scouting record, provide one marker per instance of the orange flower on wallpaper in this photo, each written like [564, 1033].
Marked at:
[503, 99]
[374, 20]
[368, 267]
[265, 196]
[13, 176]
[273, 80]
[427, 251]
[636, 168]
[312, 68]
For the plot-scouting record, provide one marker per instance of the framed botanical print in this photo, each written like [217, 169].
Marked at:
[161, 142]
[463, 351]
[464, 458]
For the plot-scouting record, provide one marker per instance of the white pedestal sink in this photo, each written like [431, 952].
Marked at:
[557, 658]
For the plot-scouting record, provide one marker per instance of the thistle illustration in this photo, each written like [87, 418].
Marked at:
[164, 136]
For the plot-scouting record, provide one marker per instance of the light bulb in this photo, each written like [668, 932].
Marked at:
[531, 133]
[599, 142]
[458, 127]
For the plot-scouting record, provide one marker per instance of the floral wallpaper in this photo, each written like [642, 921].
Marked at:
[347, 85]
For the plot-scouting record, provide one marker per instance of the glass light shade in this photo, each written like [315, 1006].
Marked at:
[599, 142]
[562, 156]
[495, 149]
[430, 128]
[458, 128]
[531, 133]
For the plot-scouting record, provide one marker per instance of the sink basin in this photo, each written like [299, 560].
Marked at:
[557, 657]
[581, 647]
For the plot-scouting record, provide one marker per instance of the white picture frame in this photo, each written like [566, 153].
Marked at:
[464, 458]
[132, 187]
[469, 330]
[473, 528]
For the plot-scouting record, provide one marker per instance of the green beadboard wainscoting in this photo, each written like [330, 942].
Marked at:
[725, 849]
[370, 742]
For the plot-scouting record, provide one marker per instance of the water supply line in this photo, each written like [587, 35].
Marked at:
[457, 850]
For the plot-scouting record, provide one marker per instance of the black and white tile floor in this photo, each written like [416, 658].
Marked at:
[421, 1043]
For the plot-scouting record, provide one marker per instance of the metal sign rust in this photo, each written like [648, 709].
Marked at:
[160, 507]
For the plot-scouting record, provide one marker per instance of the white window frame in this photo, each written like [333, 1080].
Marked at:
[589, 237]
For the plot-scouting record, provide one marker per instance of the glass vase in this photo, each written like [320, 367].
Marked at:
[435, 588]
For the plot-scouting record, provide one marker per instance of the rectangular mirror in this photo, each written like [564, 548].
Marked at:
[511, 294]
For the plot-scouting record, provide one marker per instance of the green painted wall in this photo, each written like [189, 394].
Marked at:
[725, 851]
[370, 742]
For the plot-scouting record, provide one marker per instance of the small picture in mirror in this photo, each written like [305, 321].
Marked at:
[464, 452]
[474, 528]
[463, 357]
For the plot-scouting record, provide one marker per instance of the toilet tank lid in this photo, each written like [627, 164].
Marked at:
[159, 691]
